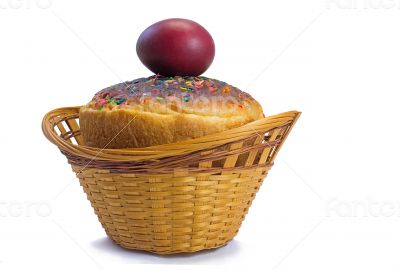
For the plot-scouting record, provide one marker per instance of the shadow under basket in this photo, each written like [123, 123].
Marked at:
[172, 198]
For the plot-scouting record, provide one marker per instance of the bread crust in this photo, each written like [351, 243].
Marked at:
[132, 129]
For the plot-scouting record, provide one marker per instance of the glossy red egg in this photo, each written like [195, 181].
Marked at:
[176, 47]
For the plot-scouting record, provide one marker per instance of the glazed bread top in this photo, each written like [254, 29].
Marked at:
[177, 95]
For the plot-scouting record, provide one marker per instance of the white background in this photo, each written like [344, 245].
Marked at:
[330, 202]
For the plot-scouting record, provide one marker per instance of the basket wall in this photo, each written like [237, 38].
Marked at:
[182, 203]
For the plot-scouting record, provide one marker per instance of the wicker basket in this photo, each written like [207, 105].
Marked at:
[180, 197]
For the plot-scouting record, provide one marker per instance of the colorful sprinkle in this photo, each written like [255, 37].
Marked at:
[155, 91]
[101, 102]
[183, 89]
[198, 84]
[212, 89]
[119, 101]
[186, 98]
[226, 90]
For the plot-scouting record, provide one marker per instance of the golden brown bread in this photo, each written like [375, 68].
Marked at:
[160, 110]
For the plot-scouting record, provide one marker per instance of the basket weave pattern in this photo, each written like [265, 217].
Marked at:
[181, 197]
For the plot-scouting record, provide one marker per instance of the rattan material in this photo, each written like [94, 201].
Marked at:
[181, 197]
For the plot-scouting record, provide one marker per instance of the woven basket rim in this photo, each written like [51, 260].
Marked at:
[55, 116]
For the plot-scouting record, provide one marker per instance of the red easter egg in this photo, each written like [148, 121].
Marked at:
[176, 47]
